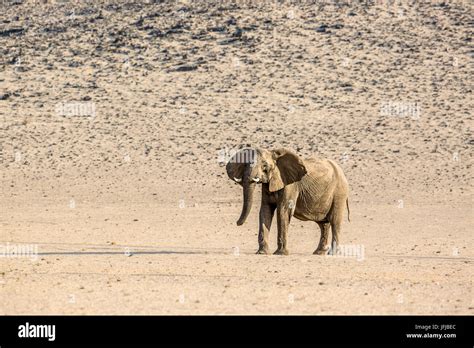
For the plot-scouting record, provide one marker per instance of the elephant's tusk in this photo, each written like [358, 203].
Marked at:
[256, 179]
[237, 179]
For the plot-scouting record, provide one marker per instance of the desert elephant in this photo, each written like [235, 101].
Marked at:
[311, 190]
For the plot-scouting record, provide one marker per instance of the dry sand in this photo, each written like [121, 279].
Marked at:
[131, 211]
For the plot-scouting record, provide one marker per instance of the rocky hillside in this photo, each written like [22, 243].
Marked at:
[132, 98]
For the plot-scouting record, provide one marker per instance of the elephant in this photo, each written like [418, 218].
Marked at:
[312, 189]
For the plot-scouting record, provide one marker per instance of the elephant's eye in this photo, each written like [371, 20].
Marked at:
[265, 168]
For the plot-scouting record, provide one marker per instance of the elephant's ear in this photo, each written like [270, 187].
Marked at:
[236, 166]
[289, 169]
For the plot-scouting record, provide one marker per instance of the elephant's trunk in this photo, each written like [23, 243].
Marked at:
[248, 187]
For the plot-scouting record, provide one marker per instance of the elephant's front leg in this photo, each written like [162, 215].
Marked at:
[284, 212]
[265, 222]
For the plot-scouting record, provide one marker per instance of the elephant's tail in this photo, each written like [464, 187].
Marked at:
[348, 211]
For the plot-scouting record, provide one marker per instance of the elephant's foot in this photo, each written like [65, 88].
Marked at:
[281, 252]
[321, 251]
[263, 251]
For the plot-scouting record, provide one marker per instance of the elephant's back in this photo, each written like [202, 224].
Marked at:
[325, 172]
[323, 165]
[319, 177]
[318, 166]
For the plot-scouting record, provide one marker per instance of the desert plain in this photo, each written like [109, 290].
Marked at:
[117, 117]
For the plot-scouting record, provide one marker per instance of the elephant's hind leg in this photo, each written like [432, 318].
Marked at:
[323, 246]
[336, 224]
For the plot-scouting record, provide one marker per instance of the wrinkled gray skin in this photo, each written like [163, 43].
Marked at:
[310, 190]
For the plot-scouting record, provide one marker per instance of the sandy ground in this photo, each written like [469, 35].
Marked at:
[114, 117]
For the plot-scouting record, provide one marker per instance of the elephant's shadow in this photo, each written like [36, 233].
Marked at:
[160, 252]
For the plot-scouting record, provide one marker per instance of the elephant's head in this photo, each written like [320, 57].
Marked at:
[276, 168]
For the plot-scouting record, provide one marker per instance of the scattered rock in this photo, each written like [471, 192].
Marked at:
[231, 21]
[237, 33]
[156, 33]
[12, 31]
[5, 96]
[217, 29]
[322, 29]
[228, 41]
[55, 30]
[185, 67]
